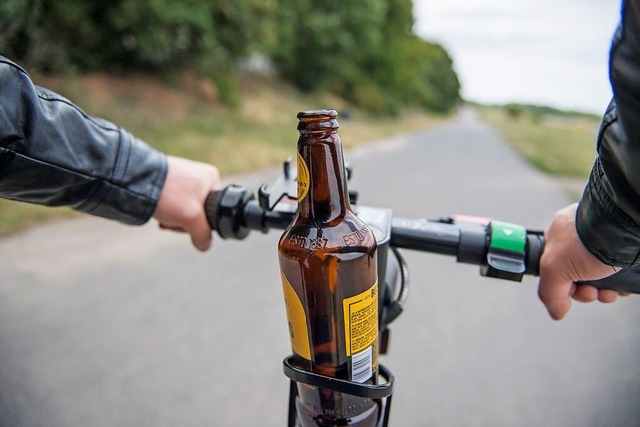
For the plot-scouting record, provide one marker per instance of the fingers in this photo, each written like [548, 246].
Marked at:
[607, 296]
[557, 298]
[587, 293]
[199, 231]
[201, 235]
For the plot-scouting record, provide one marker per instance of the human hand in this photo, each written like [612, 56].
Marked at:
[181, 204]
[565, 260]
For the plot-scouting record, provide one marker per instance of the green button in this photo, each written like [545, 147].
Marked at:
[508, 237]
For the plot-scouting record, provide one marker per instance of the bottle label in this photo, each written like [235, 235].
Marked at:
[297, 321]
[361, 332]
[361, 320]
[303, 178]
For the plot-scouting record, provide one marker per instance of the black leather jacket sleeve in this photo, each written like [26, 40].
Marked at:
[608, 217]
[53, 153]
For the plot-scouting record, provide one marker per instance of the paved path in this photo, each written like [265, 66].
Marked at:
[108, 325]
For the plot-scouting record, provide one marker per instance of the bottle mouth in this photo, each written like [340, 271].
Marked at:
[312, 121]
[322, 114]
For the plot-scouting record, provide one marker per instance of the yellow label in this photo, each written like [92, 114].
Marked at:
[361, 320]
[303, 178]
[297, 321]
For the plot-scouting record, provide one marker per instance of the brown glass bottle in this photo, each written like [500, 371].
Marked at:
[328, 263]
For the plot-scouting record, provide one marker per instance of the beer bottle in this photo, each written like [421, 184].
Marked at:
[329, 274]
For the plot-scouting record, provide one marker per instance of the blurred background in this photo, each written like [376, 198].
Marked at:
[221, 81]
[218, 81]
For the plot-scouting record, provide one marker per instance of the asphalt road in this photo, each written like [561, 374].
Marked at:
[108, 325]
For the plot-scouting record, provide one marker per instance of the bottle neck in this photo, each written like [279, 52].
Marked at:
[326, 196]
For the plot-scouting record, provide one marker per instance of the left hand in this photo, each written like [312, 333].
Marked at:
[181, 204]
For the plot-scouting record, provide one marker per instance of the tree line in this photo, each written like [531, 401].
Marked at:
[363, 50]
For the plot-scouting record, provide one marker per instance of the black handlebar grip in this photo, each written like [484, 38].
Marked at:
[211, 208]
[225, 211]
[535, 247]
[627, 280]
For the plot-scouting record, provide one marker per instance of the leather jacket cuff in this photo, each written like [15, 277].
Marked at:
[132, 195]
[605, 230]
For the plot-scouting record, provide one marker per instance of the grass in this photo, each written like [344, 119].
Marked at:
[16, 216]
[185, 118]
[559, 144]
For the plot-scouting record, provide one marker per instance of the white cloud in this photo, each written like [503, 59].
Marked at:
[543, 51]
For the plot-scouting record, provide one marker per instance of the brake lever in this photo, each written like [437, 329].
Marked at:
[286, 186]
[269, 195]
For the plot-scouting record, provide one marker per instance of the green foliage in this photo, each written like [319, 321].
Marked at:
[431, 81]
[363, 50]
[322, 45]
[158, 36]
[227, 90]
[543, 110]
[514, 111]
[207, 35]
[373, 98]
[132, 34]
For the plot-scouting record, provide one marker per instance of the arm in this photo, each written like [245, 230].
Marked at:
[52, 153]
[608, 218]
[584, 243]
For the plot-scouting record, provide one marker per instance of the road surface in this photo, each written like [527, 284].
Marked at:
[107, 325]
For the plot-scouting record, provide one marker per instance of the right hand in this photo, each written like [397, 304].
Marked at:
[566, 260]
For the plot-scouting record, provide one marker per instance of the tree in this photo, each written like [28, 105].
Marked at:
[323, 45]
[133, 34]
[432, 82]
[365, 51]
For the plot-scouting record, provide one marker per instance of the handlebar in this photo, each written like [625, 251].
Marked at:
[503, 250]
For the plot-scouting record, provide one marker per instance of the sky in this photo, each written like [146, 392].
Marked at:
[548, 52]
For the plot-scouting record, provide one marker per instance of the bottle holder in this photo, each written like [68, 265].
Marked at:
[381, 392]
